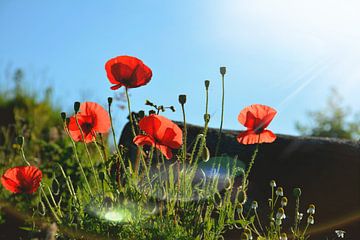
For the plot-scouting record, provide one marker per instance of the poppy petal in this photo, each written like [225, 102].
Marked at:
[256, 115]
[165, 150]
[117, 86]
[100, 117]
[250, 137]
[144, 140]
[150, 124]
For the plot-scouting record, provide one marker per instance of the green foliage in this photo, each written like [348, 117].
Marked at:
[334, 121]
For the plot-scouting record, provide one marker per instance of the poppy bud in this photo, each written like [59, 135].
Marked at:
[223, 70]
[20, 141]
[76, 106]
[272, 183]
[63, 116]
[172, 108]
[67, 121]
[110, 99]
[279, 191]
[297, 192]
[148, 103]
[280, 214]
[206, 117]
[182, 99]
[254, 205]
[161, 108]
[310, 219]
[151, 112]
[207, 84]
[284, 201]
[311, 209]
[141, 114]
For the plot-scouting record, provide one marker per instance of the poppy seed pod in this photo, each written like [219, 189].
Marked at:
[223, 70]
[207, 84]
[182, 99]
[76, 106]
[297, 192]
[63, 116]
[110, 100]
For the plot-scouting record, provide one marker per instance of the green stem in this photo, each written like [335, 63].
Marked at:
[222, 114]
[130, 114]
[251, 164]
[87, 151]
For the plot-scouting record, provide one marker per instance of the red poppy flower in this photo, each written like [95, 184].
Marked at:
[161, 133]
[92, 119]
[24, 179]
[256, 118]
[127, 71]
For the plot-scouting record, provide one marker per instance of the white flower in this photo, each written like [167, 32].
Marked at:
[283, 236]
[299, 216]
[279, 192]
[311, 209]
[272, 183]
[310, 220]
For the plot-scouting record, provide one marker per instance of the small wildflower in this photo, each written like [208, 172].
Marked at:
[311, 209]
[272, 183]
[279, 191]
[283, 236]
[280, 214]
[254, 205]
[310, 219]
[284, 201]
[340, 233]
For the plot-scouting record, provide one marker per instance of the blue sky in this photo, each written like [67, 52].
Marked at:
[280, 53]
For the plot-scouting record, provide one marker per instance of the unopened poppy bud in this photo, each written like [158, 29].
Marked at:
[151, 112]
[311, 209]
[254, 205]
[182, 99]
[207, 84]
[280, 214]
[272, 183]
[283, 236]
[110, 100]
[148, 103]
[223, 70]
[310, 220]
[206, 117]
[141, 114]
[172, 108]
[284, 201]
[205, 154]
[101, 176]
[297, 192]
[76, 106]
[279, 191]
[244, 236]
[67, 121]
[63, 116]
[20, 140]
[161, 108]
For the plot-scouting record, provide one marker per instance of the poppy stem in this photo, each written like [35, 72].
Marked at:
[114, 139]
[130, 114]
[23, 155]
[87, 151]
[77, 158]
[49, 204]
[251, 164]
[222, 114]
[184, 149]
